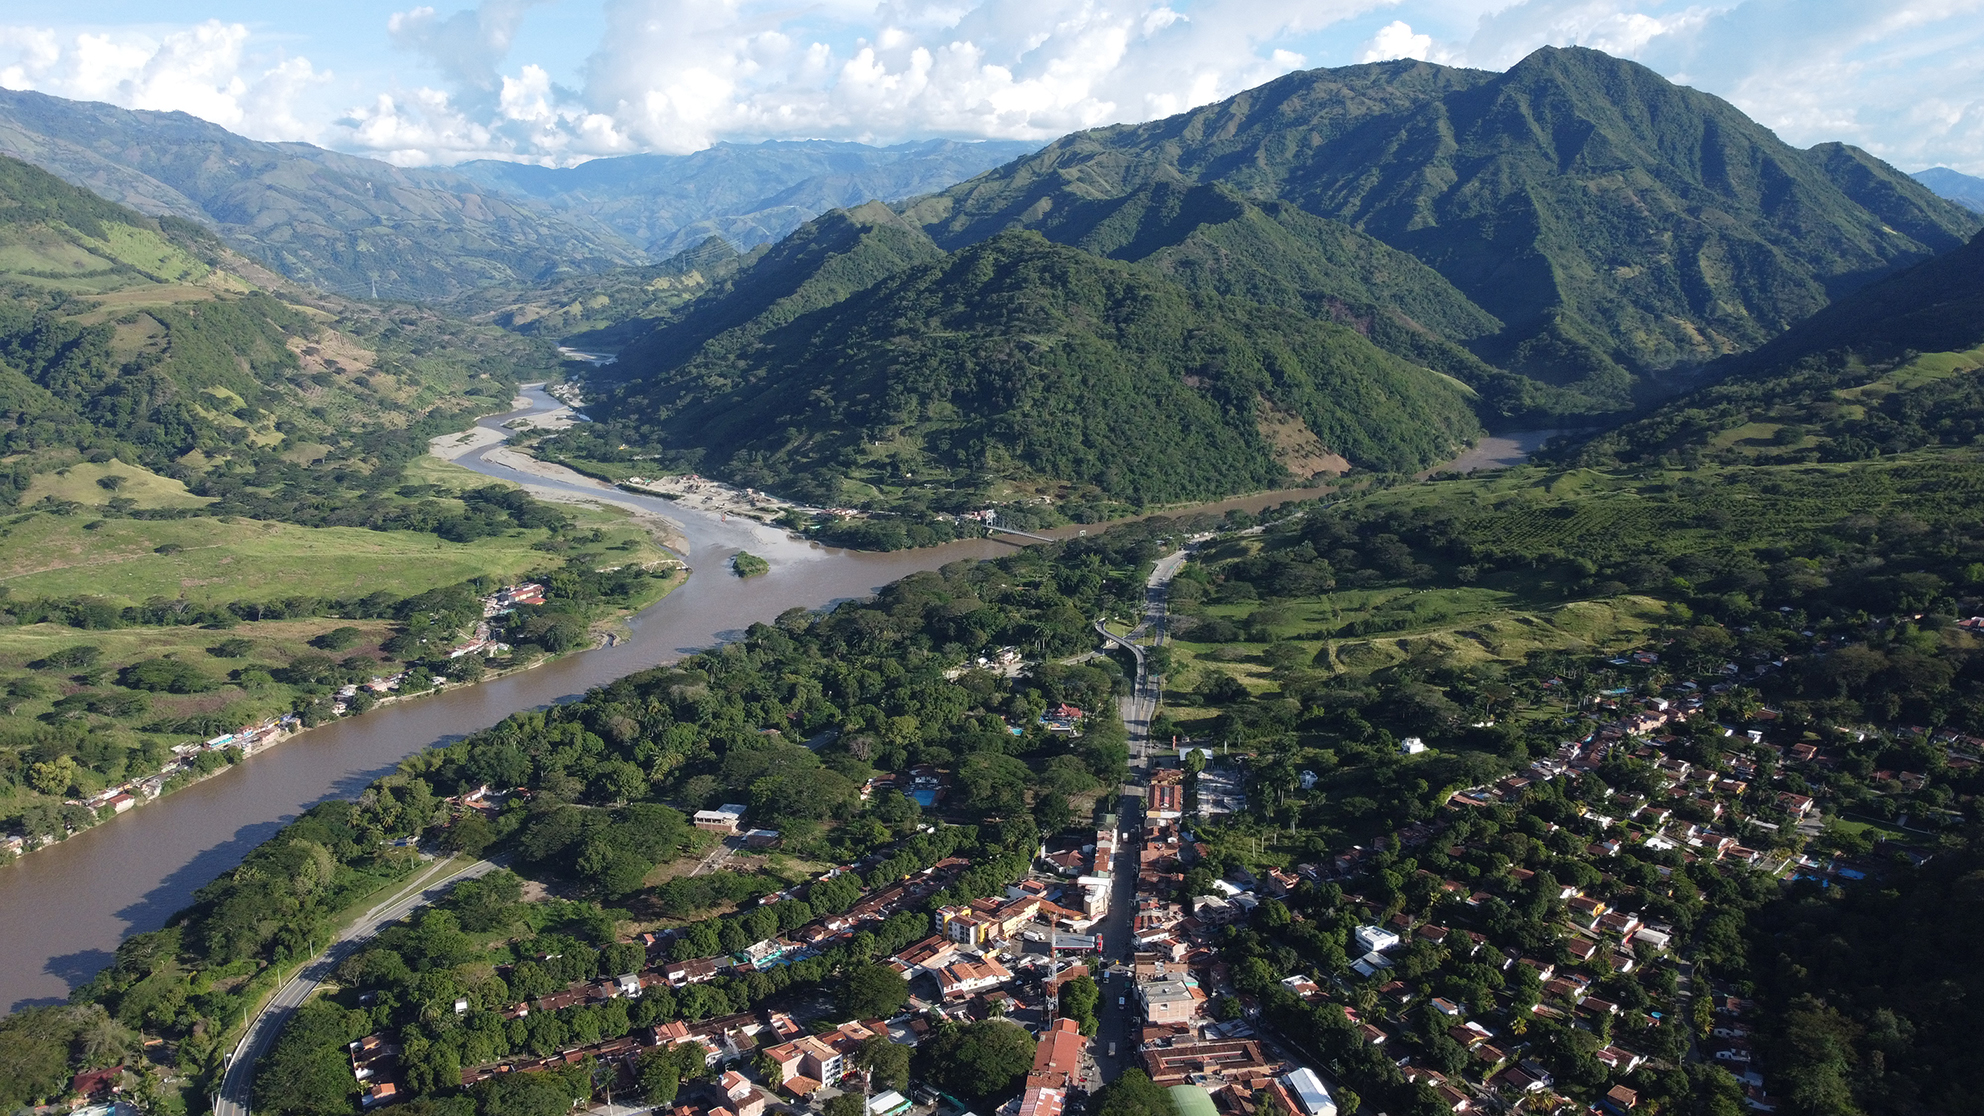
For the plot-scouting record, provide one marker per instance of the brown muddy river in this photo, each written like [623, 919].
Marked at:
[64, 908]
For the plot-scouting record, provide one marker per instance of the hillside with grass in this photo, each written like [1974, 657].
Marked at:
[1896, 366]
[193, 444]
[1023, 366]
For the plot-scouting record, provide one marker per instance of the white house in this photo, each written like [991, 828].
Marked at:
[1411, 746]
[1375, 939]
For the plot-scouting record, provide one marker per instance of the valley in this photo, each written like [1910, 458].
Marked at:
[1404, 589]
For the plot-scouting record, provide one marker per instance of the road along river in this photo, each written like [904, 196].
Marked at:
[64, 908]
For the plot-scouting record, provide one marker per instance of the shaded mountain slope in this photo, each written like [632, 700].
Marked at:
[1897, 365]
[1208, 238]
[1017, 363]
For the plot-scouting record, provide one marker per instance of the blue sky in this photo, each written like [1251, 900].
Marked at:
[559, 81]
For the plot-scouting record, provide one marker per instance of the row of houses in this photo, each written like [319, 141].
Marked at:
[1210, 1067]
[248, 740]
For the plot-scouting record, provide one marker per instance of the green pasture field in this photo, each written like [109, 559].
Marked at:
[215, 560]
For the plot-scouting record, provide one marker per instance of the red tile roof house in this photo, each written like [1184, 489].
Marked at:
[100, 1082]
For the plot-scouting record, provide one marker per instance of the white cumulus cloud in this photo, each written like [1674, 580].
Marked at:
[202, 70]
[679, 75]
[1396, 40]
[1897, 77]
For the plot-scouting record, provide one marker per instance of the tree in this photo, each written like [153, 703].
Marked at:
[872, 992]
[338, 639]
[847, 1104]
[1135, 1094]
[470, 835]
[307, 1074]
[531, 1094]
[886, 1062]
[1079, 999]
[659, 1071]
[980, 1060]
[34, 1054]
[55, 776]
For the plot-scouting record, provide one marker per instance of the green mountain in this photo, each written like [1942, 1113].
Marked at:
[1963, 189]
[1895, 366]
[609, 310]
[1611, 219]
[1208, 238]
[1016, 368]
[150, 341]
[748, 194]
[825, 261]
[337, 222]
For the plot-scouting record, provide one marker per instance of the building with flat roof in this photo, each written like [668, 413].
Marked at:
[723, 819]
[1172, 998]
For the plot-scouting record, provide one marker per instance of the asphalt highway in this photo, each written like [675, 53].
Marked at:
[236, 1090]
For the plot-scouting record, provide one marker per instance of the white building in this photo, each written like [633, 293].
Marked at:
[1308, 1091]
[1411, 746]
[1375, 939]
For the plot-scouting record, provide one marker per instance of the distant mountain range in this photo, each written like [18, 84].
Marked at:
[1964, 189]
[355, 226]
[748, 194]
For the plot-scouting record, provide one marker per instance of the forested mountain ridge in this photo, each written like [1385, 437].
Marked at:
[1209, 238]
[748, 194]
[335, 221]
[824, 261]
[1019, 363]
[1611, 219]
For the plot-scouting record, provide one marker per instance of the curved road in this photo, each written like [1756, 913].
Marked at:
[236, 1088]
[1139, 708]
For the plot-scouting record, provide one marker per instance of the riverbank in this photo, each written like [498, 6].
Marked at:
[65, 909]
[264, 650]
[196, 761]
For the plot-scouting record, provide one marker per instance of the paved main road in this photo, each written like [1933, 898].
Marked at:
[1116, 1020]
[236, 1086]
[1139, 706]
